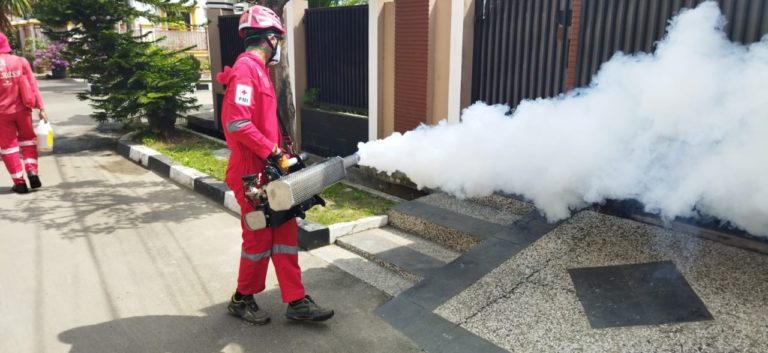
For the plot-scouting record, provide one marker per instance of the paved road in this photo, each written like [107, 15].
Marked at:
[108, 257]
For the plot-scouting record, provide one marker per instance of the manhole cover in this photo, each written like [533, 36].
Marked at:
[637, 294]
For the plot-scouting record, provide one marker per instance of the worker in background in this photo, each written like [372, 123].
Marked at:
[18, 96]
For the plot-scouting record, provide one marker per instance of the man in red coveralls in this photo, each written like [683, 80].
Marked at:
[249, 118]
[18, 95]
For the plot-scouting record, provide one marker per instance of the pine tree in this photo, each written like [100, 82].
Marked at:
[130, 77]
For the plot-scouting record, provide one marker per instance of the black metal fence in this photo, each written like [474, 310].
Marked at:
[229, 36]
[337, 55]
[521, 49]
[635, 25]
[521, 46]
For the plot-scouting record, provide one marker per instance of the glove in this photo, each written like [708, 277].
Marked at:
[280, 161]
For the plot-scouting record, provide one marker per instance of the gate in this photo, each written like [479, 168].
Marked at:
[521, 49]
[337, 55]
[635, 25]
[229, 37]
[521, 46]
[231, 47]
[337, 73]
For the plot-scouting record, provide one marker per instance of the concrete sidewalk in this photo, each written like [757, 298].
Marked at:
[109, 257]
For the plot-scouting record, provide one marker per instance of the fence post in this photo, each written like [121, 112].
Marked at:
[374, 10]
[297, 55]
[455, 65]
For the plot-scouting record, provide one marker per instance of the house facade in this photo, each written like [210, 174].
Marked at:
[426, 60]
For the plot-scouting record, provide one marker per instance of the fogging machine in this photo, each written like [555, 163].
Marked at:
[277, 197]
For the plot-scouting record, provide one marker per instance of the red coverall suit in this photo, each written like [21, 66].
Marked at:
[249, 119]
[18, 94]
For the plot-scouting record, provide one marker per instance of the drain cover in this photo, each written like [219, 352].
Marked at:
[637, 294]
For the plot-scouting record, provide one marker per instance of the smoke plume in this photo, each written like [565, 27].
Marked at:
[683, 130]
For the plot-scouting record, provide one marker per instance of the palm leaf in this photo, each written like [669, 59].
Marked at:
[10, 8]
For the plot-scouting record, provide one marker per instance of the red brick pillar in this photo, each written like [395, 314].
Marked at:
[411, 63]
[573, 47]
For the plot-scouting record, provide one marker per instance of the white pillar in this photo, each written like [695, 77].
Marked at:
[455, 63]
[294, 14]
[33, 35]
[22, 39]
[374, 11]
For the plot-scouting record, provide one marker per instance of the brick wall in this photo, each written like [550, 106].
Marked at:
[573, 47]
[411, 63]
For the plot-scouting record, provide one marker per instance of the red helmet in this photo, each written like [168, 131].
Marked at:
[260, 17]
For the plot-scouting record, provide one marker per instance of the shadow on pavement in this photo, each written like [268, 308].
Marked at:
[83, 142]
[97, 208]
[101, 136]
[61, 86]
[75, 120]
[88, 121]
[355, 328]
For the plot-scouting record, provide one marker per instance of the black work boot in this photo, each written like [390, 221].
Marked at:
[305, 309]
[20, 188]
[34, 180]
[247, 310]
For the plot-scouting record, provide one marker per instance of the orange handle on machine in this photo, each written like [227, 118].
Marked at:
[284, 164]
[280, 161]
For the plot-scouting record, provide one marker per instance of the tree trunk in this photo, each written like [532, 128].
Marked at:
[281, 77]
[5, 23]
[162, 124]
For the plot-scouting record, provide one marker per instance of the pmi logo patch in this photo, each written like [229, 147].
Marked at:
[243, 95]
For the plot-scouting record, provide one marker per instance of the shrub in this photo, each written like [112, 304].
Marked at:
[51, 56]
[131, 77]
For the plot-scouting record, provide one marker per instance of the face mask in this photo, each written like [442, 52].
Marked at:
[275, 57]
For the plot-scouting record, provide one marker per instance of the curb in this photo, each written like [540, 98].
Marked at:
[311, 235]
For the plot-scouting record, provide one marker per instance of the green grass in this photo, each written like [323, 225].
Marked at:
[343, 203]
[190, 150]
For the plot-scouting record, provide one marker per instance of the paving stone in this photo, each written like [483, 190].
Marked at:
[451, 238]
[345, 228]
[456, 231]
[469, 208]
[636, 294]
[431, 332]
[506, 204]
[399, 238]
[363, 269]
[529, 303]
[388, 250]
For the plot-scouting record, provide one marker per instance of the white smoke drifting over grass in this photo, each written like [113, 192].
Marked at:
[682, 130]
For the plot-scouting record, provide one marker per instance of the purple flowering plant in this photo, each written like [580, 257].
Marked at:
[52, 55]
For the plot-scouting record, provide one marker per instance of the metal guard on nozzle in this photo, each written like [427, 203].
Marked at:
[284, 197]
